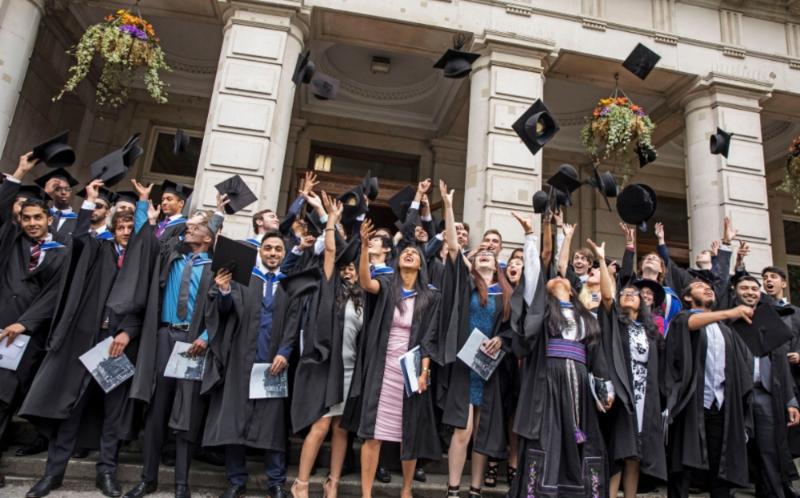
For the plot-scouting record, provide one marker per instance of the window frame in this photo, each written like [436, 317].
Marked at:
[148, 175]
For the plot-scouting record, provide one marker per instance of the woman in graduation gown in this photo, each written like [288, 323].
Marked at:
[476, 295]
[325, 370]
[634, 347]
[562, 452]
[405, 315]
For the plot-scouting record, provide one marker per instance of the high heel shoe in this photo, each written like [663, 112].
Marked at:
[452, 491]
[299, 489]
[330, 488]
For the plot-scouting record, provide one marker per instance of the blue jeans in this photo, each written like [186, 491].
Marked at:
[236, 466]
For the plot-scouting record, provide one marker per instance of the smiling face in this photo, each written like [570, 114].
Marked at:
[409, 259]
[594, 276]
[420, 234]
[652, 264]
[34, 221]
[197, 234]
[646, 294]
[514, 270]
[701, 295]
[272, 252]
[748, 292]
[774, 284]
[492, 242]
[100, 212]
[629, 299]
[123, 231]
[580, 263]
[171, 204]
[485, 260]
[462, 235]
[560, 288]
[348, 273]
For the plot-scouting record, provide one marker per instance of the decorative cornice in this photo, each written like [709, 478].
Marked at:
[190, 66]
[519, 10]
[595, 24]
[666, 38]
[737, 52]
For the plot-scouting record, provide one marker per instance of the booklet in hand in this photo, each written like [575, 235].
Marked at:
[264, 385]
[10, 356]
[475, 355]
[107, 371]
[411, 367]
[600, 391]
[183, 366]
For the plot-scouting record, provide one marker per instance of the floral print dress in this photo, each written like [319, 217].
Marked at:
[640, 352]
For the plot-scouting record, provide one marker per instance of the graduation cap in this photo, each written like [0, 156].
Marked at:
[553, 199]
[566, 180]
[236, 257]
[301, 282]
[767, 332]
[110, 168]
[706, 276]
[370, 186]
[238, 193]
[127, 196]
[720, 142]
[32, 192]
[659, 295]
[646, 155]
[102, 193]
[56, 173]
[131, 151]
[313, 224]
[604, 183]
[540, 201]
[171, 187]
[641, 61]
[347, 252]
[636, 204]
[353, 204]
[456, 63]
[303, 69]
[181, 142]
[401, 201]
[324, 87]
[55, 152]
[536, 126]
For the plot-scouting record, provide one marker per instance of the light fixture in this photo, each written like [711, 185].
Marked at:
[322, 163]
[380, 65]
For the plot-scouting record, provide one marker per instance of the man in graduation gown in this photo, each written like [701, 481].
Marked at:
[710, 378]
[30, 263]
[181, 277]
[774, 407]
[64, 402]
[172, 225]
[99, 218]
[58, 184]
[252, 324]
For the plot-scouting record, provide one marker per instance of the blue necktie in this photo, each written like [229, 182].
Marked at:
[183, 291]
[268, 287]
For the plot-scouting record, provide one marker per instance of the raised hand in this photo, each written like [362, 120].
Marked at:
[715, 245]
[367, 231]
[599, 251]
[93, 190]
[144, 192]
[153, 212]
[314, 201]
[527, 223]
[569, 229]
[309, 182]
[558, 217]
[728, 232]
[630, 233]
[659, 230]
[223, 280]
[334, 208]
[743, 312]
[25, 165]
[447, 196]
[424, 186]
[222, 201]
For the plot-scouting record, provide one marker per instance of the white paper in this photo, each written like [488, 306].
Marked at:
[475, 356]
[182, 366]
[593, 386]
[410, 366]
[265, 385]
[108, 372]
[10, 356]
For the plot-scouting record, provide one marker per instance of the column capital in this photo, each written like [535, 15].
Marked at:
[727, 90]
[281, 15]
[39, 4]
[513, 50]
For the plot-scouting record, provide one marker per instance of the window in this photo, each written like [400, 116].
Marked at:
[351, 161]
[163, 164]
[791, 237]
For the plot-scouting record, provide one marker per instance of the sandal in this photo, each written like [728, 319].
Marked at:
[490, 478]
[299, 489]
[512, 474]
[452, 491]
[330, 488]
[475, 491]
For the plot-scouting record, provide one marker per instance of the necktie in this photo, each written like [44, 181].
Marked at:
[36, 252]
[120, 257]
[162, 225]
[183, 293]
[268, 287]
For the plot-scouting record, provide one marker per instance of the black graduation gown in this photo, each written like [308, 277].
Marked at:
[188, 409]
[453, 388]
[793, 321]
[686, 358]
[62, 379]
[622, 433]
[420, 436]
[233, 418]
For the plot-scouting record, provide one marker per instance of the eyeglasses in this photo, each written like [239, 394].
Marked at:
[629, 293]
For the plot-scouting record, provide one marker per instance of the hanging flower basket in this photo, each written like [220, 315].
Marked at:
[126, 43]
[791, 180]
[618, 130]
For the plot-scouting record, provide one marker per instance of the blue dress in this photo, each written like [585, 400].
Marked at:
[481, 318]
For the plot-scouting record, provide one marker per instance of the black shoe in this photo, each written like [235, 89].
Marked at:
[383, 475]
[39, 445]
[182, 491]
[107, 483]
[420, 475]
[44, 486]
[80, 453]
[141, 489]
[277, 492]
[234, 491]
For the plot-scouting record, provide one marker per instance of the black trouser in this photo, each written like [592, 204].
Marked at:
[236, 466]
[63, 445]
[158, 414]
[764, 448]
[678, 482]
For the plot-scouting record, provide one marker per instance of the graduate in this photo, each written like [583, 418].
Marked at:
[325, 370]
[710, 374]
[30, 263]
[175, 312]
[254, 324]
[405, 314]
[477, 296]
[635, 348]
[58, 184]
[64, 401]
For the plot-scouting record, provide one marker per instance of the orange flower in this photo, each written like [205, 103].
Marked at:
[596, 113]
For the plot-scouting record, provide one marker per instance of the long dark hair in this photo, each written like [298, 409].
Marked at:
[645, 318]
[483, 289]
[424, 293]
[349, 291]
[584, 318]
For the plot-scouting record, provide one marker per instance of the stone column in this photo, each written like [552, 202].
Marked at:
[19, 25]
[251, 107]
[501, 174]
[717, 187]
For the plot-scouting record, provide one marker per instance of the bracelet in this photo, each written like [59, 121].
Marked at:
[426, 370]
[559, 226]
[327, 229]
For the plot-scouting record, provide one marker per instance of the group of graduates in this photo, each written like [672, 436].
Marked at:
[608, 373]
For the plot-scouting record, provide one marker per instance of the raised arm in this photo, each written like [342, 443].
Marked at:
[334, 208]
[699, 320]
[563, 254]
[606, 282]
[547, 239]
[453, 249]
[364, 275]
[10, 187]
[532, 263]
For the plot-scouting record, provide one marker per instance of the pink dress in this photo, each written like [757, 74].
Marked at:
[389, 422]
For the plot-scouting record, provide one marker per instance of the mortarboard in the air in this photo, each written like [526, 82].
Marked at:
[401, 201]
[347, 252]
[180, 142]
[127, 196]
[353, 204]
[720, 142]
[659, 295]
[32, 192]
[313, 224]
[604, 183]
[110, 168]
[236, 257]
[540, 201]
[641, 61]
[636, 204]
[131, 151]
[565, 179]
[370, 186]
[646, 155]
[304, 69]
[456, 63]
[301, 282]
[324, 87]
[238, 193]
[536, 126]
[171, 187]
[56, 173]
[103, 193]
[55, 152]
[767, 332]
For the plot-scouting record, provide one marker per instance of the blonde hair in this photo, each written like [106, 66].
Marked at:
[585, 296]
